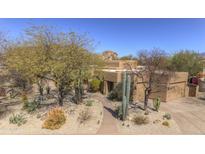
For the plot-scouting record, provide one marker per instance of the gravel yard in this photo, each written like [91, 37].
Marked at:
[35, 120]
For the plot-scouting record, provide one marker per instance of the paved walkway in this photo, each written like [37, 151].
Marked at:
[108, 125]
[189, 114]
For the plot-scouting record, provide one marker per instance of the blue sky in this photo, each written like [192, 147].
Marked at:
[125, 36]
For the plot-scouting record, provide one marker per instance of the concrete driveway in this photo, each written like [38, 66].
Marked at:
[189, 114]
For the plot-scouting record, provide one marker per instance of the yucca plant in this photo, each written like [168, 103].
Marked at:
[17, 119]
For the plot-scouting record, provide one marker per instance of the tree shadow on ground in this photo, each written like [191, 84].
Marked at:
[4, 114]
[111, 111]
[140, 106]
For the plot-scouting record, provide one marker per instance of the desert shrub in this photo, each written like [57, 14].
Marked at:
[118, 112]
[166, 123]
[113, 95]
[84, 116]
[89, 103]
[30, 106]
[167, 116]
[55, 119]
[156, 104]
[116, 93]
[95, 85]
[17, 119]
[140, 120]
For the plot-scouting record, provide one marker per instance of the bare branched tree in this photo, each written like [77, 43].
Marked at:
[154, 66]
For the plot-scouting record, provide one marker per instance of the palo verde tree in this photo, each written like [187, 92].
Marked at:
[61, 57]
[66, 57]
[155, 66]
[69, 64]
[27, 62]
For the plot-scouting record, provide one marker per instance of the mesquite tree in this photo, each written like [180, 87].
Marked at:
[187, 61]
[155, 66]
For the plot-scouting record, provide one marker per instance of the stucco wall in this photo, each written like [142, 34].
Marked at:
[168, 88]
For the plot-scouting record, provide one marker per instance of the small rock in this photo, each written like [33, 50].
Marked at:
[101, 113]
[128, 125]
[98, 122]
[38, 116]
[167, 116]
[123, 124]
[72, 111]
[129, 118]
[156, 121]
[146, 112]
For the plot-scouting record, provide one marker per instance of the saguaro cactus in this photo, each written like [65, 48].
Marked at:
[126, 94]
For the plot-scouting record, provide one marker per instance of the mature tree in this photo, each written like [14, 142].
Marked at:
[28, 62]
[90, 64]
[187, 61]
[155, 67]
[61, 57]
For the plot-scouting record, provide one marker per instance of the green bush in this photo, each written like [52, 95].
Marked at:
[156, 104]
[167, 116]
[30, 106]
[118, 112]
[89, 103]
[116, 93]
[95, 85]
[17, 119]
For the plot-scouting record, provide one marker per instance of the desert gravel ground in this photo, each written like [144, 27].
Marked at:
[72, 125]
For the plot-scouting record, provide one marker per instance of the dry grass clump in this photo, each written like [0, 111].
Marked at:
[55, 119]
[84, 116]
[140, 120]
[166, 123]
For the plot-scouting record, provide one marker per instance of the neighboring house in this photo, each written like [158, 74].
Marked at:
[109, 55]
[113, 72]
